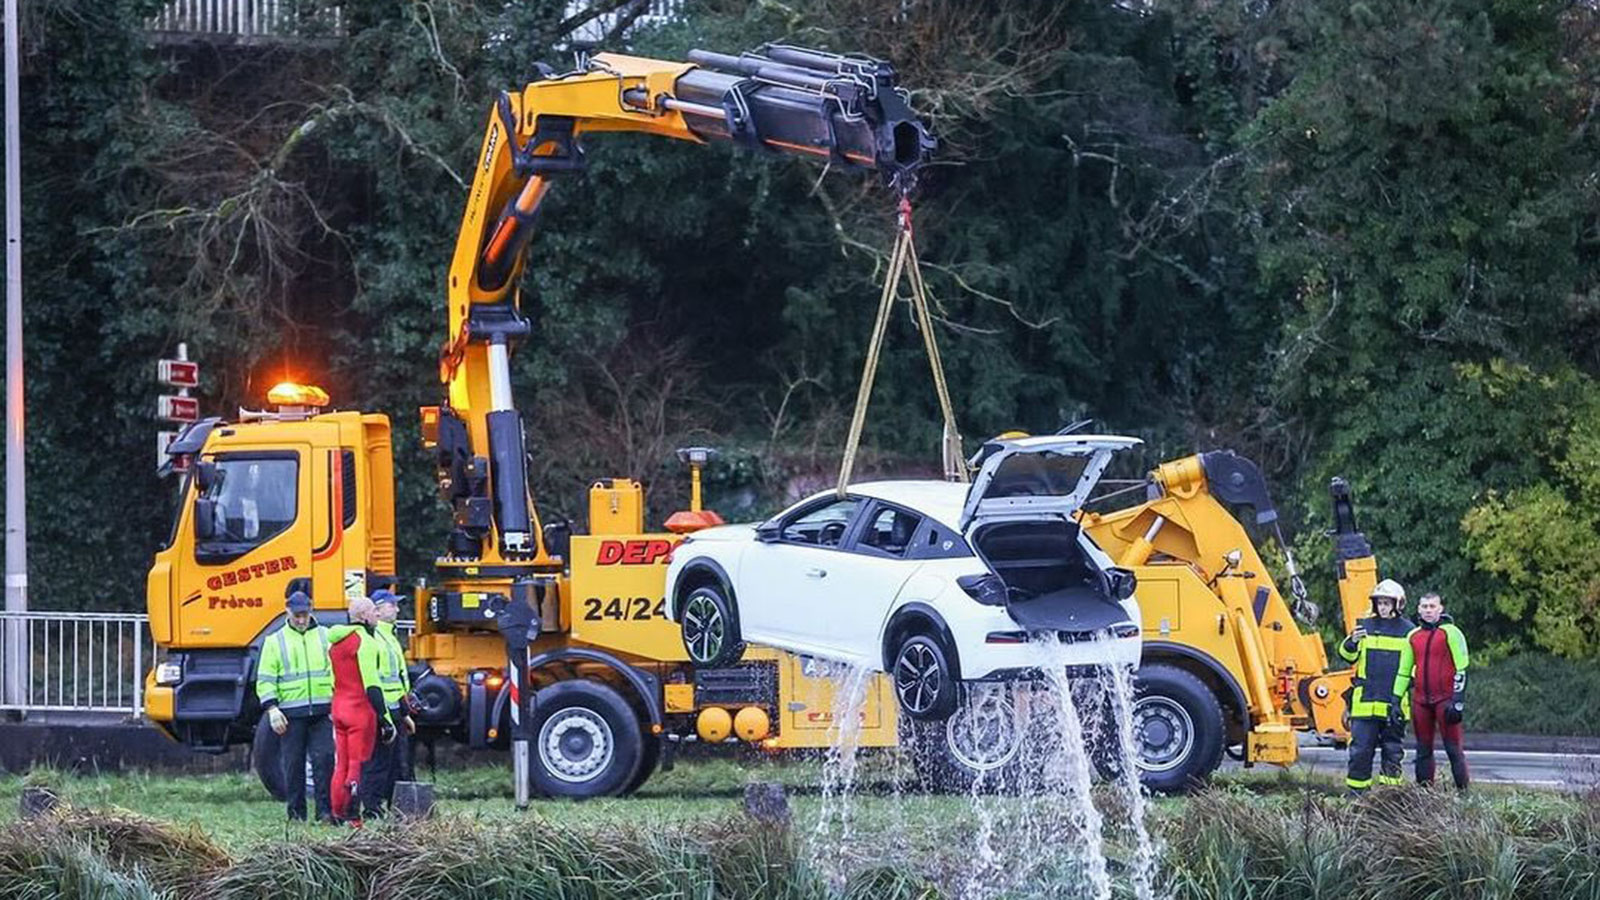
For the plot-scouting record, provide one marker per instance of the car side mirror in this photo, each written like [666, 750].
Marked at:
[768, 532]
[205, 519]
[1123, 583]
[205, 475]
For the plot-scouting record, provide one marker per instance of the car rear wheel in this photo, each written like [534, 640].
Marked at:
[710, 626]
[924, 679]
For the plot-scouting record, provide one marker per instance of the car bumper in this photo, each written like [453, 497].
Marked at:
[981, 659]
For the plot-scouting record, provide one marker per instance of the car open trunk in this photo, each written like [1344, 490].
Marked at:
[1049, 582]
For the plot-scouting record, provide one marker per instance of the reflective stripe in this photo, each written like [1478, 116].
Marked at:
[1359, 784]
[1390, 779]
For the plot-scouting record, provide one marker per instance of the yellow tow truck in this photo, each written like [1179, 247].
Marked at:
[1225, 666]
[300, 496]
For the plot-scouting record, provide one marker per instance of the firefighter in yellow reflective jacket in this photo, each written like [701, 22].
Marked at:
[294, 685]
[1380, 648]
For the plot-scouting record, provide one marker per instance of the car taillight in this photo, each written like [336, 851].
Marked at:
[988, 589]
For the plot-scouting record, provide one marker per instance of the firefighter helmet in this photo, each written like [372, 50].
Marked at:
[1389, 589]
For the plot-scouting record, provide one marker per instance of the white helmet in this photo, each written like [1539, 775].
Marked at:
[1389, 589]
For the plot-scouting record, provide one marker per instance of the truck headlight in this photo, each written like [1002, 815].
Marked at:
[169, 673]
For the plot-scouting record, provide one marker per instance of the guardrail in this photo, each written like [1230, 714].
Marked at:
[83, 662]
[247, 20]
[77, 662]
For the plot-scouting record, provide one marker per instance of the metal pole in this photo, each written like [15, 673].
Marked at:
[16, 488]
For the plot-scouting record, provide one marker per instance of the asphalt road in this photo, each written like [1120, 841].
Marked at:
[1556, 771]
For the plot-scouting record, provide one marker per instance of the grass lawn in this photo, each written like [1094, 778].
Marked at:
[1255, 834]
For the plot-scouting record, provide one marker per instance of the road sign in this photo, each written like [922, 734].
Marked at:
[178, 409]
[181, 373]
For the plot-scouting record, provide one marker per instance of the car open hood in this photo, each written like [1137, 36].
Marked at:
[1051, 474]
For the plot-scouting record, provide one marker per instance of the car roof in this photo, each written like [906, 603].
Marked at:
[940, 499]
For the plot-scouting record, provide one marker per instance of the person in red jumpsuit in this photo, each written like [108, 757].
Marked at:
[1438, 689]
[360, 717]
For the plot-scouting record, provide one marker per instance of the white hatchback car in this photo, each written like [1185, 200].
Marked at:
[933, 581]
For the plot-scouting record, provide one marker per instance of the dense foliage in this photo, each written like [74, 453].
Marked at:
[1341, 238]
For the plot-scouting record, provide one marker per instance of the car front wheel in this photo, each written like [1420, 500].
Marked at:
[924, 679]
[710, 626]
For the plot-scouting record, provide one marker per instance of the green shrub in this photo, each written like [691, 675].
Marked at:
[1535, 693]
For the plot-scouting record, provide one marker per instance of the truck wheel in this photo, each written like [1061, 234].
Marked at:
[979, 743]
[264, 758]
[710, 625]
[924, 679]
[1177, 729]
[648, 758]
[587, 741]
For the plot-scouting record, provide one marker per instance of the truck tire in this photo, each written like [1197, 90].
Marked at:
[1177, 729]
[264, 759]
[587, 741]
[648, 760]
[979, 744]
[709, 622]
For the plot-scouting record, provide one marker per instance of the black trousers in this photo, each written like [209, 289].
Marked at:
[381, 771]
[1367, 737]
[311, 736]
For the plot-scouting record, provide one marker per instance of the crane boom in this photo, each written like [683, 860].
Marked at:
[846, 109]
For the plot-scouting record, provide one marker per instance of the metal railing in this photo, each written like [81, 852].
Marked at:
[79, 662]
[83, 662]
[247, 20]
[596, 30]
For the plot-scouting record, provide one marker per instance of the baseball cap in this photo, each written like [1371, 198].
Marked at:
[384, 595]
[298, 602]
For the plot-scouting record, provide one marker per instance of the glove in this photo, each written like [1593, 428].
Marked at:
[386, 732]
[408, 724]
[1452, 713]
[1396, 716]
[278, 721]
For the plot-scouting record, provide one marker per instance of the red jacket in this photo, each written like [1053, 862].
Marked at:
[1441, 662]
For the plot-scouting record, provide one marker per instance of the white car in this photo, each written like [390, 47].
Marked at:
[932, 581]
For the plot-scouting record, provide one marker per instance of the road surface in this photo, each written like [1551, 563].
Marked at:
[1556, 771]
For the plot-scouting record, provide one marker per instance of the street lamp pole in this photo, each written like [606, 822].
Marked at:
[16, 488]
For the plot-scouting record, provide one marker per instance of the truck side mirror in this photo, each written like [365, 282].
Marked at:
[205, 518]
[205, 475]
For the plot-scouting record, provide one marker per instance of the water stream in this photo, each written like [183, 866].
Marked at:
[1018, 765]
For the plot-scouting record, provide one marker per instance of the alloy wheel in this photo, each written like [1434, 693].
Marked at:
[917, 678]
[703, 628]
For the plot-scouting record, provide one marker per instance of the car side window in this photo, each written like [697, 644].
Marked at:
[822, 526]
[889, 531]
[935, 541]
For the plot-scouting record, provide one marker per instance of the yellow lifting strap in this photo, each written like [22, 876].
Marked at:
[903, 261]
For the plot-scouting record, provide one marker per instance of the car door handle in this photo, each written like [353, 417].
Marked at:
[816, 573]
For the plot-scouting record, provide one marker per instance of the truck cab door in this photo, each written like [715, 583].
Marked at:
[250, 523]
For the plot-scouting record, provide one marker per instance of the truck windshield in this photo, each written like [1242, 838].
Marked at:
[253, 502]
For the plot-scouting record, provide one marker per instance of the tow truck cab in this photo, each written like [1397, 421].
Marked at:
[279, 500]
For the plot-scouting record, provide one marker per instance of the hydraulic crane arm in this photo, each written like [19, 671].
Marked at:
[847, 110]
